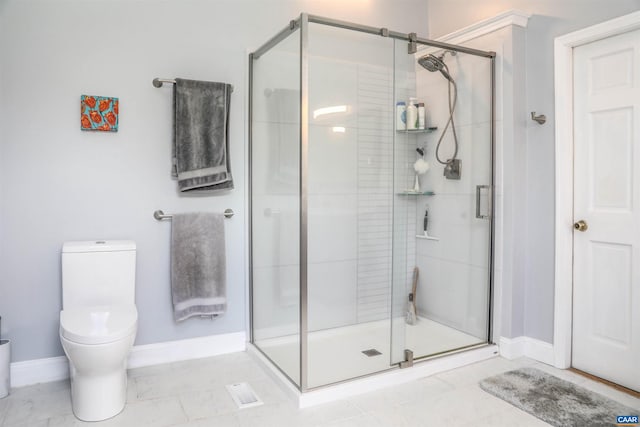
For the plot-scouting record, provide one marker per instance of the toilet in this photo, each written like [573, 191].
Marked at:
[98, 323]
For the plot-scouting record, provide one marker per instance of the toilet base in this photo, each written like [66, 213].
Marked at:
[98, 378]
[98, 398]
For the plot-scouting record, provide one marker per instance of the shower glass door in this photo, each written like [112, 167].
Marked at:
[451, 258]
[350, 184]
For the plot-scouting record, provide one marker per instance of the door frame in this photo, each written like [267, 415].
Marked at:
[563, 55]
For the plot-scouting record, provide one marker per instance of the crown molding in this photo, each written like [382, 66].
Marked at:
[511, 17]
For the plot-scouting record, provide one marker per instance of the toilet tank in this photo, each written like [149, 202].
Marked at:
[98, 273]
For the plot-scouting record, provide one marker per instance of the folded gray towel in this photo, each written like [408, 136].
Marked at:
[201, 144]
[198, 265]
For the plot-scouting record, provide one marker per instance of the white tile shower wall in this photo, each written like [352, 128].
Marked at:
[375, 184]
[332, 186]
[454, 269]
[404, 218]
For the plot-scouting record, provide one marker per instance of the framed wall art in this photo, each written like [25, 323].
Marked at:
[99, 113]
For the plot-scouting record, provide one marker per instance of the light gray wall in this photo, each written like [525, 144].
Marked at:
[550, 19]
[58, 183]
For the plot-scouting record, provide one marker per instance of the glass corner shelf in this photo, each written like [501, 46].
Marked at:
[426, 237]
[416, 193]
[425, 130]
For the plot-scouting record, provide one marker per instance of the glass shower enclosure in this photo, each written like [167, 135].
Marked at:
[371, 237]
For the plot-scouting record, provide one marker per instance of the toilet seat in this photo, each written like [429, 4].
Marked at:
[98, 325]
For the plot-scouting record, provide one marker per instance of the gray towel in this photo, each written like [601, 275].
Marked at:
[198, 265]
[201, 143]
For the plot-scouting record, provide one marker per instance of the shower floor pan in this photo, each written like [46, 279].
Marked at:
[336, 355]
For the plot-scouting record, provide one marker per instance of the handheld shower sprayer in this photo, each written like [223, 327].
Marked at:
[433, 63]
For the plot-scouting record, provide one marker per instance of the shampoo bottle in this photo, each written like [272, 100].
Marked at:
[421, 116]
[412, 115]
[401, 116]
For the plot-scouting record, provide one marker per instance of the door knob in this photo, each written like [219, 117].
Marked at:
[581, 225]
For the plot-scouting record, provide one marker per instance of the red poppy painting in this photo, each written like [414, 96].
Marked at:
[99, 113]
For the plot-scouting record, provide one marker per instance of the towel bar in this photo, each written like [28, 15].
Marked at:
[159, 215]
[157, 82]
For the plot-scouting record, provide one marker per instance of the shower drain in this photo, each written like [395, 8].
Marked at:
[371, 352]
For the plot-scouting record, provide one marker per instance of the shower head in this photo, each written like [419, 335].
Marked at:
[433, 63]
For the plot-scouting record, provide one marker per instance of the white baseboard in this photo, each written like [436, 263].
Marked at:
[39, 371]
[57, 368]
[512, 348]
[193, 348]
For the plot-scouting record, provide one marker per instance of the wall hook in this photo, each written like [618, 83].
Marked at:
[541, 118]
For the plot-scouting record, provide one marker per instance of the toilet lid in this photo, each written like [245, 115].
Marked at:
[98, 325]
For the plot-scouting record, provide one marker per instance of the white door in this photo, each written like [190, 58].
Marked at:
[606, 269]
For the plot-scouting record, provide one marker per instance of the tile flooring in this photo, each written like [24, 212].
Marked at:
[193, 394]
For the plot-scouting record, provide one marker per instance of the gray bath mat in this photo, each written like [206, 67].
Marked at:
[555, 401]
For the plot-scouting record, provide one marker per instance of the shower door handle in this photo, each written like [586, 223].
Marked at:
[478, 194]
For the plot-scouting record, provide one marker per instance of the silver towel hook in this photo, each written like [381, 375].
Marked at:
[540, 119]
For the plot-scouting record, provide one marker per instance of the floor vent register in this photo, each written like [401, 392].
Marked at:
[243, 395]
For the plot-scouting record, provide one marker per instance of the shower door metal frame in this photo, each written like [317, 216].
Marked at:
[304, 178]
[302, 24]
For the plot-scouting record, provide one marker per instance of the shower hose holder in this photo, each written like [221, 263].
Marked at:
[453, 169]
